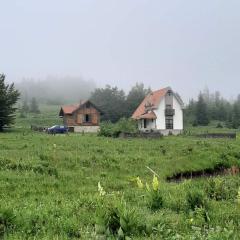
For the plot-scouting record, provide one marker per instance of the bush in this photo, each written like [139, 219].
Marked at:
[117, 219]
[155, 200]
[195, 199]
[219, 125]
[221, 189]
[108, 129]
[6, 220]
[154, 194]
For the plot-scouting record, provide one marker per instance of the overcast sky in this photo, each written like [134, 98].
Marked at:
[185, 44]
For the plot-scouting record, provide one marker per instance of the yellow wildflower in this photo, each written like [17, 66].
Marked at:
[139, 182]
[155, 183]
[101, 190]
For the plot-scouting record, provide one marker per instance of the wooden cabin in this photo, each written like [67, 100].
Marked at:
[82, 117]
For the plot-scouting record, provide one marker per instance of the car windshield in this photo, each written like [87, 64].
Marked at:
[55, 126]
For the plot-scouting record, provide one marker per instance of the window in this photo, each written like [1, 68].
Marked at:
[87, 118]
[169, 123]
[145, 123]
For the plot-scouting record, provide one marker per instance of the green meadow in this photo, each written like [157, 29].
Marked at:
[82, 186]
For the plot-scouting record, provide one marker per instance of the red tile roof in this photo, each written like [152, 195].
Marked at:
[153, 99]
[69, 109]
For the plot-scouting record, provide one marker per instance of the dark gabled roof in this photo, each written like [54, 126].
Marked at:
[70, 109]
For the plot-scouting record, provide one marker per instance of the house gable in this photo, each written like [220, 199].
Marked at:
[83, 114]
[160, 110]
[152, 100]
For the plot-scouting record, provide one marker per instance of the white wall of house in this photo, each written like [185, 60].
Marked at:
[160, 113]
[178, 117]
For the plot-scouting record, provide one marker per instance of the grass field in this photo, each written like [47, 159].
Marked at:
[49, 187]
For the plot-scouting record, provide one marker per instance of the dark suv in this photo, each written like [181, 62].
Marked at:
[57, 129]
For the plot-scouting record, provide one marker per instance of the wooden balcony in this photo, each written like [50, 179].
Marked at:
[169, 112]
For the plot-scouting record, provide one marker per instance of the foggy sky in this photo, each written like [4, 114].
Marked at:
[184, 44]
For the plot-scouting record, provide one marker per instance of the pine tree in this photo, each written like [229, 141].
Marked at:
[201, 111]
[236, 114]
[25, 107]
[8, 98]
[135, 97]
[34, 106]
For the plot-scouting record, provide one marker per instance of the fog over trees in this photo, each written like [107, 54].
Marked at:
[117, 103]
[56, 90]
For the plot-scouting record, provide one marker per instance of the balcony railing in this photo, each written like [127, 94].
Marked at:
[169, 112]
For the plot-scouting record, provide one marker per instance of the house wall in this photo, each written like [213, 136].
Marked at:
[95, 116]
[77, 118]
[160, 113]
[178, 117]
[68, 120]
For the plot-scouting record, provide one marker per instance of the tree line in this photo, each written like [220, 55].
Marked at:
[115, 103]
[213, 107]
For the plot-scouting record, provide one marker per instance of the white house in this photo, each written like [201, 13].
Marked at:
[161, 110]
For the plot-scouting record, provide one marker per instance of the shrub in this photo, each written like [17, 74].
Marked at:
[215, 189]
[154, 195]
[6, 220]
[115, 218]
[195, 199]
[124, 125]
[221, 189]
[155, 200]
[219, 125]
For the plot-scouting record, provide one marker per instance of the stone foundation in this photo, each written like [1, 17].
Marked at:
[165, 132]
[170, 132]
[86, 129]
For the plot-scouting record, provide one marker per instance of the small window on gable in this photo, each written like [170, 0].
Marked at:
[169, 93]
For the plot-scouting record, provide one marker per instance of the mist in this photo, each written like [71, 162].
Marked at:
[187, 45]
[56, 90]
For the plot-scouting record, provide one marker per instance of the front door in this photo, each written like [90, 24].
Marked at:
[145, 123]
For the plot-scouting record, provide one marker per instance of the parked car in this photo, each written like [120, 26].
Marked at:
[57, 129]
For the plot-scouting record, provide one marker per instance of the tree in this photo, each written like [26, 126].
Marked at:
[25, 107]
[8, 98]
[201, 111]
[111, 101]
[135, 97]
[34, 106]
[236, 114]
